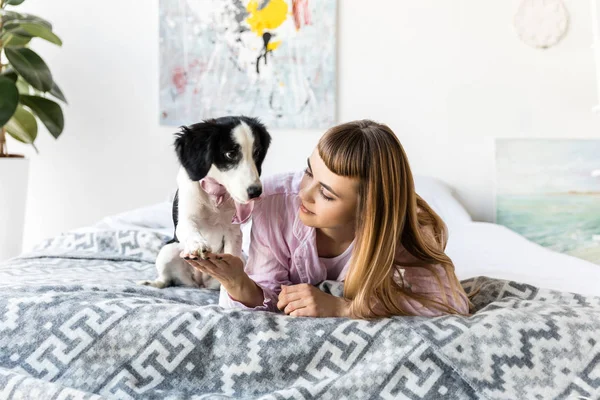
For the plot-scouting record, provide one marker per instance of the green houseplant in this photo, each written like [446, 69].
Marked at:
[26, 83]
[27, 90]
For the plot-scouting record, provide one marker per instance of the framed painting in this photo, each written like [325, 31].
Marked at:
[271, 59]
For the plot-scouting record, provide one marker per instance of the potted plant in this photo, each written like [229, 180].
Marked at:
[26, 88]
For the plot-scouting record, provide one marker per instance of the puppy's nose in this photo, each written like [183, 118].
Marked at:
[254, 191]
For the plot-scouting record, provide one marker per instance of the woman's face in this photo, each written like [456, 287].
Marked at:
[328, 200]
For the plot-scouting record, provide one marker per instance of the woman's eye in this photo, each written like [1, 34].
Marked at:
[307, 172]
[230, 155]
[324, 196]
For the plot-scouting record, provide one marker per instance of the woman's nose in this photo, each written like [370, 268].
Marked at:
[306, 194]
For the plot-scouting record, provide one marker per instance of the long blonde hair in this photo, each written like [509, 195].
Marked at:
[389, 214]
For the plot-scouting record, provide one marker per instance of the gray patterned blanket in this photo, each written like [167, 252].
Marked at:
[73, 325]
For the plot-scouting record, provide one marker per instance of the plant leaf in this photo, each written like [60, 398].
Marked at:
[12, 28]
[11, 16]
[9, 100]
[14, 2]
[23, 86]
[31, 67]
[34, 29]
[22, 126]
[10, 74]
[56, 92]
[47, 111]
[14, 40]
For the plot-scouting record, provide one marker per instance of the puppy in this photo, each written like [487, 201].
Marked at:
[217, 181]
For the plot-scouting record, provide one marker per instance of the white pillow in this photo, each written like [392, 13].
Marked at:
[157, 217]
[440, 197]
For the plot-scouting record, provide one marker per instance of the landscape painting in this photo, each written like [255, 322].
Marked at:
[549, 192]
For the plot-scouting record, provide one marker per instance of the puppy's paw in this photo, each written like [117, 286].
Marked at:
[195, 247]
[203, 251]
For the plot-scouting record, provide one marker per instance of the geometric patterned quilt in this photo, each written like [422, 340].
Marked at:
[74, 325]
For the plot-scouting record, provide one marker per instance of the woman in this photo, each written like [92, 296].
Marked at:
[352, 216]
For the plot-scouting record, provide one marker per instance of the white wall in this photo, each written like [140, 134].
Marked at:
[448, 77]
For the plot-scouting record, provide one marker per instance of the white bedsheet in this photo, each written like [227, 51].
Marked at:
[479, 248]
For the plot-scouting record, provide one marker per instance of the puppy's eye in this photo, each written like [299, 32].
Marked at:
[230, 155]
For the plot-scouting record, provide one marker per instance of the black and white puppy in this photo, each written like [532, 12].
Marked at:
[220, 170]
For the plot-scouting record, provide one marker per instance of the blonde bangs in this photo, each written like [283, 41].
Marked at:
[343, 149]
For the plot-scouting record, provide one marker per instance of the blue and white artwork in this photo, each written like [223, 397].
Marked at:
[549, 192]
[272, 59]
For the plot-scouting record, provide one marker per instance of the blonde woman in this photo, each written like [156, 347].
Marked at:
[353, 216]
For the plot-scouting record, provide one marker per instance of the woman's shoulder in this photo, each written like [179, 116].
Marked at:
[280, 194]
[429, 232]
[287, 183]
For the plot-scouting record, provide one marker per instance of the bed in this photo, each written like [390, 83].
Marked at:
[73, 325]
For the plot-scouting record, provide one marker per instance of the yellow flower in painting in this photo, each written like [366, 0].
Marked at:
[273, 45]
[270, 17]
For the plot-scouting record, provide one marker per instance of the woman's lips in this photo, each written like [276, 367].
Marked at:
[305, 210]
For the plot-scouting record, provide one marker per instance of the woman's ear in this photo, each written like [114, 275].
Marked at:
[193, 146]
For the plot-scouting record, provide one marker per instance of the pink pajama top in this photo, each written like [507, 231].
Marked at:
[283, 251]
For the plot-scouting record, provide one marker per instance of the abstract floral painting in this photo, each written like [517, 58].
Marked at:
[549, 192]
[272, 59]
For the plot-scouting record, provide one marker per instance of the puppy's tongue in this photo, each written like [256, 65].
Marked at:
[250, 201]
[242, 212]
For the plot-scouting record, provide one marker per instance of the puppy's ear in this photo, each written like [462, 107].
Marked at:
[193, 146]
[262, 141]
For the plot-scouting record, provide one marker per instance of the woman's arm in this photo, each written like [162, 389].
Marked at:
[246, 292]
[265, 273]
[305, 300]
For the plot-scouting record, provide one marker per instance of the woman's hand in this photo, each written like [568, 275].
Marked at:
[305, 300]
[226, 268]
